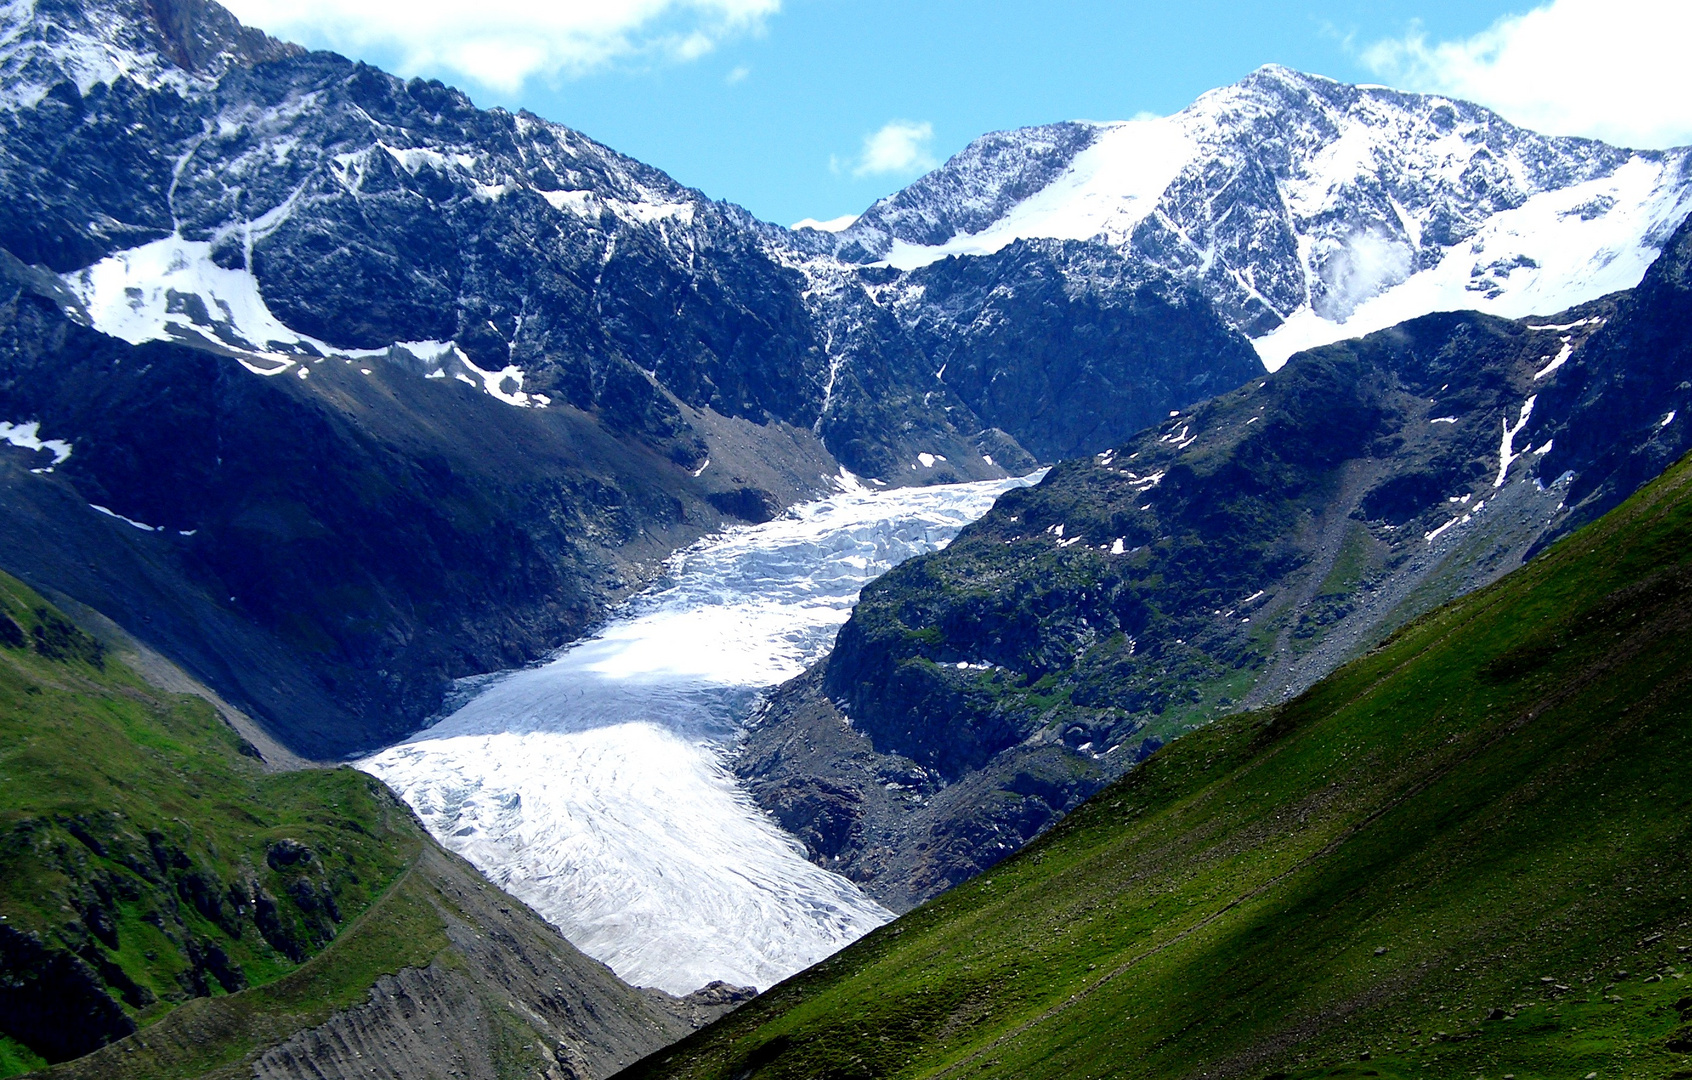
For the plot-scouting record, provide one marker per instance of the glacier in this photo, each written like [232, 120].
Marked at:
[594, 787]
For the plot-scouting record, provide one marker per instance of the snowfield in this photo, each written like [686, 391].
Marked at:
[594, 788]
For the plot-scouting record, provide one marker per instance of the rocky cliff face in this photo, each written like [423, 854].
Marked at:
[330, 553]
[1234, 553]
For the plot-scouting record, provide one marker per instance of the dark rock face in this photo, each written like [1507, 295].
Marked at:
[331, 553]
[898, 829]
[975, 189]
[53, 1001]
[1068, 349]
[1229, 555]
[1042, 350]
[372, 211]
[456, 1018]
[1620, 410]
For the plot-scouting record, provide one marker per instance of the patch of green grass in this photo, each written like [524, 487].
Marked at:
[1355, 558]
[139, 834]
[16, 1058]
[216, 1036]
[1464, 854]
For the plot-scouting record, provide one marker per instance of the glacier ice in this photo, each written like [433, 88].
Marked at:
[594, 787]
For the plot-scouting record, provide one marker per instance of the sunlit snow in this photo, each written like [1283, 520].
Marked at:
[595, 788]
[1108, 189]
[838, 224]
[1564, 255]
[171, 289]
[29, 437]
[1559, 246]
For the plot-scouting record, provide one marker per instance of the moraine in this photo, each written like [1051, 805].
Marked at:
[594, 787]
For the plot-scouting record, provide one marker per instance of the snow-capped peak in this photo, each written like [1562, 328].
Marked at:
[87, 43]
[1308, 210]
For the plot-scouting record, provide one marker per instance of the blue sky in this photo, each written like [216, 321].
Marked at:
[776, 104]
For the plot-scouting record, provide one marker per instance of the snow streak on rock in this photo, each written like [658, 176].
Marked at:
[594, 788]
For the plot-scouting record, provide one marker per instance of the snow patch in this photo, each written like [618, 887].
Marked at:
[838, 224]
[127, 520]
[590, 205]
[1558, 361]
[847, 480]
[1506, 455]
[28, 436]
[171, 290]
[1143, 484]
[1108, 189]
[495, 382]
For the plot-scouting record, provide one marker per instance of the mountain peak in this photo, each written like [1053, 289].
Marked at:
[201, 35]
[86, 43]
[1307, 209]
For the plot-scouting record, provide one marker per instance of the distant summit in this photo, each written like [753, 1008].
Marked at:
[1307, 210]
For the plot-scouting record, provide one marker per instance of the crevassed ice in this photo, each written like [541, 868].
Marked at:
[595, 789]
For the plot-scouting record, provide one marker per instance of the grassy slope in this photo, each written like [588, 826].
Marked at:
[135, 833]
[1486, 817]
[219, 1037]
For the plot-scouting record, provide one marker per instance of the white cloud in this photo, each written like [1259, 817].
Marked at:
[503, 43]
[738, 75]
[901, 146]
[1610, 69]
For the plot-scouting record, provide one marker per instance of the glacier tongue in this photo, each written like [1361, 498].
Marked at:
[594, 788]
